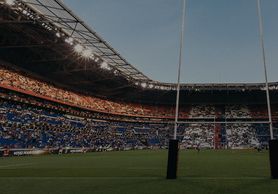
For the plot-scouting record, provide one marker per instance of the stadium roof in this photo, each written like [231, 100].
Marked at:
[62, 17]
[45, 38]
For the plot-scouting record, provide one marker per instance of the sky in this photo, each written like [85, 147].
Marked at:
[221, 39]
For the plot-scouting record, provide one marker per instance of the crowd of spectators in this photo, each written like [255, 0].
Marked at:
[15, 78]
[93, 122]
[242, 135]
[24, 126]
[27, 126]
[237, 111]
[196, 135]
[202, 111]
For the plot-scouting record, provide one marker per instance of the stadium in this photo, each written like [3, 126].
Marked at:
[77, 117]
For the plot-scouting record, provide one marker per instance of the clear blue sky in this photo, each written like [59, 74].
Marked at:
[221, 38]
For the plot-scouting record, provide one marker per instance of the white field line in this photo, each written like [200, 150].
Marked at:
[16, 165]
[226, 178]
[133, 178]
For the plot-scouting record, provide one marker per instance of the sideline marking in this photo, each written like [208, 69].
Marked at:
[139, 178]
[15, 165]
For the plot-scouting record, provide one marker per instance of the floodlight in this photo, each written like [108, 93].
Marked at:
[116, 72]
[143, 85]
[69, 40]
[93, 57]
[86, 53]
[58, 34]
[151, 86]
[104, 65]
[78, 48]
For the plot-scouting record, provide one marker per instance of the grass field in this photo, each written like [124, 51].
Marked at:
[207, 172]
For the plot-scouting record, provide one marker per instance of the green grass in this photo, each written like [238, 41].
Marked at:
[207, 172]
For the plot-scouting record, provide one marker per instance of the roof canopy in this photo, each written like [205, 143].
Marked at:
[63, 18]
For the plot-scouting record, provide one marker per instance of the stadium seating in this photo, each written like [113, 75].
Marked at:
[16, 79]
[34, 113]
[26, 126]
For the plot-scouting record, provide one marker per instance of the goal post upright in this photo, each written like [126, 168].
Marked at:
[173, 147]
[273, 143]
[261, 33]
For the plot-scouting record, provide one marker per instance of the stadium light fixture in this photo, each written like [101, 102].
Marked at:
[144, 85]
[69, 40]
[78, 48]
[104, 65]
[93, 57]
[157, 87]
[116, 72]
[151, 86]
[96, 59]
[58, 35]
[86, 53]
[25, 12]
